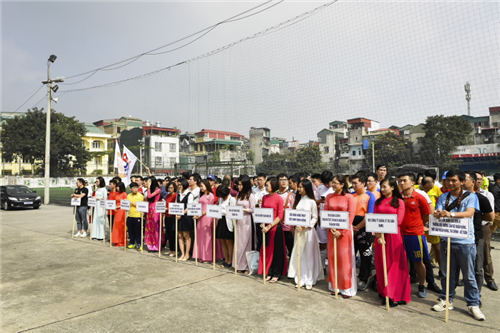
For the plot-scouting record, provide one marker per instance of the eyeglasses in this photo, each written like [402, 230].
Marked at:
[336, 183]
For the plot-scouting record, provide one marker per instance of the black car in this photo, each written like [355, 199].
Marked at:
[19, 196]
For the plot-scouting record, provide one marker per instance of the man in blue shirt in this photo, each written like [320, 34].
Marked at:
[459, 204]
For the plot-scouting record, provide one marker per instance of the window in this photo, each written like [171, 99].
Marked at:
[97, 161]
[157, 146]
[326, 150]
[360, 152]
[96, 144]
[172, 162]
[353, 153]
[173, 147]
[158, 160]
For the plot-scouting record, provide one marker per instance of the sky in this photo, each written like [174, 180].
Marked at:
[395, 62]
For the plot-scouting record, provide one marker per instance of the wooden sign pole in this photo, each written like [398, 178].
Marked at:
[214, 240]
[74, 222]
[448, 250]
[110, 228]
[298, 262]
[125, 233]
[336, 267]
[384, 261]
[196, 241]
[235, 250]
[92, 221]
[159, 236]
[103, 215]
[142, 233]
[264, 255]
[176, 237]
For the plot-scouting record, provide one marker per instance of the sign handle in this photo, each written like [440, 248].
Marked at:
[142, 233]
[264, 255]
[74, 222]
[110, 228]
[103, 225]
[125, 233]
[196, 241]
[214, 240]
[298, 261]
[176, 237]
[385, 273]
[448, 250]
[92, 222]
[235, 250]
[336, 267]
[159, 236]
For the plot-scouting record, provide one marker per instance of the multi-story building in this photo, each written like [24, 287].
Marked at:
[96, 142]
[260, 141]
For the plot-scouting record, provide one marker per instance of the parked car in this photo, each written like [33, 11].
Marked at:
[19, 196]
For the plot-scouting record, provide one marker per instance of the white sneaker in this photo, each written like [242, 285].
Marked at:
[78, 234]
[476, 313]
[84, 234]
[441, 306]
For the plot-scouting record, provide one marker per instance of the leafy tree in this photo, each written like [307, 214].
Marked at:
[25, 136]
[309, 159]
[276, 163]
[306, 159]
[391, 150]
[442, 136]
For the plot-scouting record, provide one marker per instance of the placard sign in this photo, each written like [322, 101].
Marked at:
[92, 202]
[142, 206]
[175, 208]
[194, 210]
[102, 203]
[263, 215]
[296, 217]
[161, 207]
[330, 219]
[449, 227]
[110, 204]
[214, 211]
[76, 201]
[234, 212]
[382, 223]
[125, 204]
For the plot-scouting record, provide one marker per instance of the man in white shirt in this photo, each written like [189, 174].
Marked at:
[260, 192]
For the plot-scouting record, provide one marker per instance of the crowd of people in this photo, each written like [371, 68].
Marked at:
[358, 261]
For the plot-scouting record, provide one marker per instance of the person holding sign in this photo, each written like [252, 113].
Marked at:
[398, 288]
[134, 218]
[342, 201]
[458, 203]
[185, 222]
[169, 218]
[224, 230]
[99, 211]
[310, 261]
[118, 236]
[81, 211]
[204, 236]
[244, 228]
[153, 225]
[276, 261]
[112, 196]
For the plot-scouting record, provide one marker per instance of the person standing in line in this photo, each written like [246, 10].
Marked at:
[112, 196]
[276, 261]
[321, 193]
[244, 227]
[225, 229]
[204, 241]
[134, 218]
[118, 237]
[99, 211]
[260, 192]
[169, 218]
[194, 187]
[371, 185]
[382, 172]
[185, 222]
[342, 201]
[398, 288]
[459, 204]
[434, 192]
[288, 198]
[153, 225]
[81, 211]
[365, 203]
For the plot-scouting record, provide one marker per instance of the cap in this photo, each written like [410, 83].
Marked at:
[211, 177]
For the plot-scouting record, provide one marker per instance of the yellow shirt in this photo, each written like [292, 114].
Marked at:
[133, 209]
[434, 193]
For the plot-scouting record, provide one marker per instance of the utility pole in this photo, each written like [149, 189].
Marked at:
[467, 96]
[373, 156]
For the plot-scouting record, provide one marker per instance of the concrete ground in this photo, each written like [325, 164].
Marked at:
[52, 283]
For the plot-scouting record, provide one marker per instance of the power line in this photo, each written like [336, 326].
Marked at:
[30, 98]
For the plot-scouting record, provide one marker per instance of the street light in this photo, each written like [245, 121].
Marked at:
[49, 82]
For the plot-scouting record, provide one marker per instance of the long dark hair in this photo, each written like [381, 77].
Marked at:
[396, 195]
[343, 180]
[247, 189]
[206, 182]
[307, 184]
[152, 188]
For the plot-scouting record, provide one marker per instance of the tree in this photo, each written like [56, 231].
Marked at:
[309, 159]
[25, 136]
[306, 159]
[391, 150]
[276, 163]
[442, 136]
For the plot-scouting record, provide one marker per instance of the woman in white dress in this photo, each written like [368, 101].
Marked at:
[311, 269]
[99, 212]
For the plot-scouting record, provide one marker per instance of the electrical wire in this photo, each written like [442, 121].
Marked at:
[22, 97]
[29, 98]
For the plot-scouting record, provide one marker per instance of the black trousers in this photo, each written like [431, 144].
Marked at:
[134, 230]
[170, 231]
[289, 241]
[276, 268]
[362, 244]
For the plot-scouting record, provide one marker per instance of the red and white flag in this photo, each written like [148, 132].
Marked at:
[129, 160]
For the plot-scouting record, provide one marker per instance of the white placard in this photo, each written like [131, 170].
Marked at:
[263, 215]
[382, 223]
[76, 201]
[296, 217]
[92, 202]
[194, 210]
[234, 212]
[330, 219]
[142, 206]
[102, 203]
[110, 204]
[161, 206]
[449, 227]
[175, 208]
[214, 211]
[125, 204]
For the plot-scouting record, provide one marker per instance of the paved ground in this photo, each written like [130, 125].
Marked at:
[52, 283]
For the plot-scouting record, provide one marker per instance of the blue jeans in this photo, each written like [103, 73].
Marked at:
[463, 257]
[81, 218]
